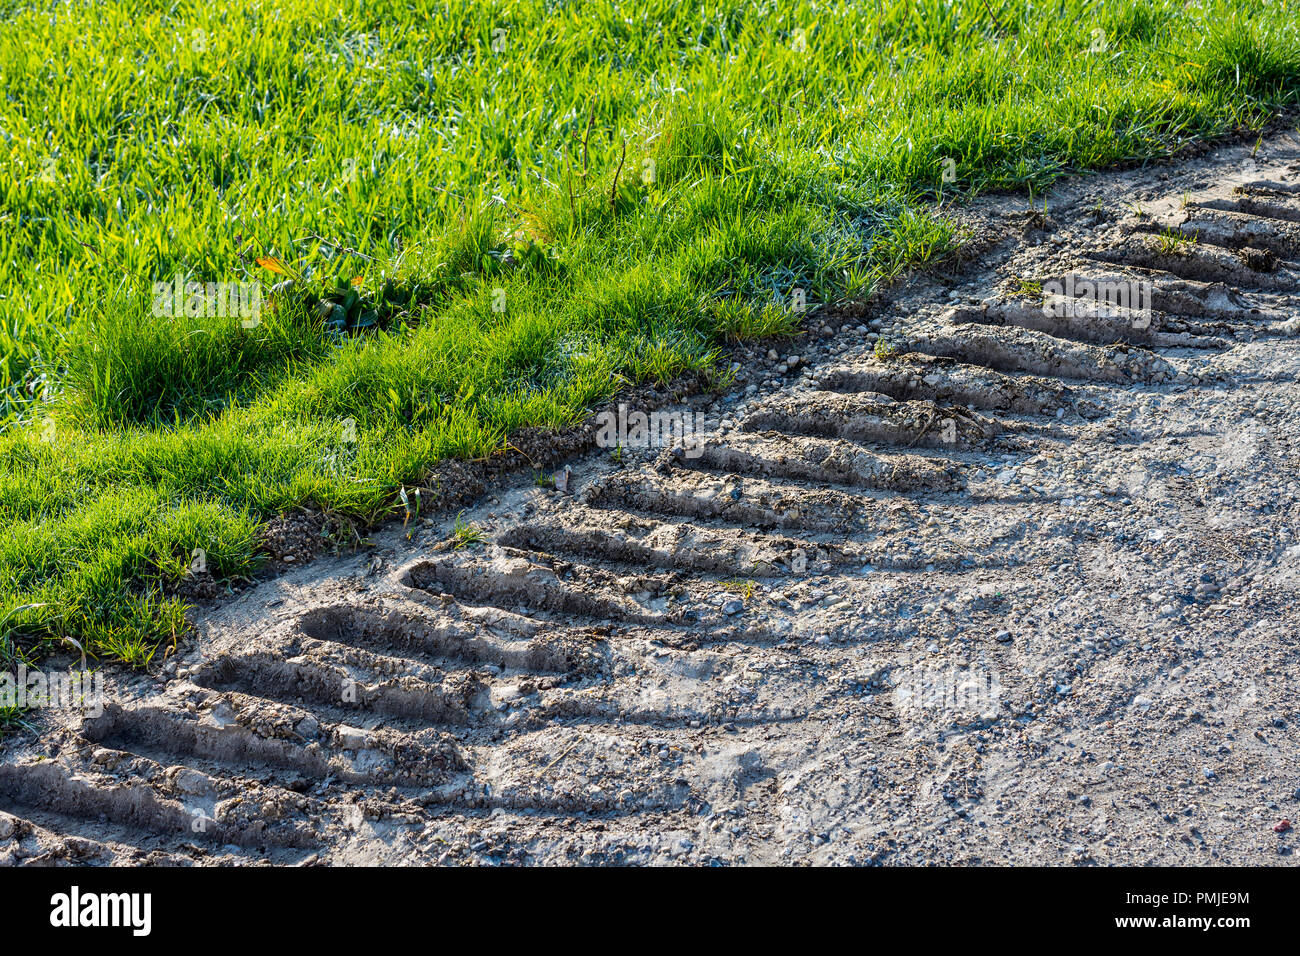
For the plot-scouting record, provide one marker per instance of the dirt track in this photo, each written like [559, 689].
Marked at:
[1015, 586]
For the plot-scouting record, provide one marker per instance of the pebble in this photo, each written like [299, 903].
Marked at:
[352, 738]
[193, 782]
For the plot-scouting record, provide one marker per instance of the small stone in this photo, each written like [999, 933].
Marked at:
[193, 782]
[1003, 637]
[352, 738]
[733, 607]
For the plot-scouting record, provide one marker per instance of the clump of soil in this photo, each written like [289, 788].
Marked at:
[294, 538]
[1259, 260]
[458, 483]
[197, 586]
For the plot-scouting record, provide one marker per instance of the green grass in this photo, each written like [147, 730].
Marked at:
[13, 719]
[465, 535]
[496, 214]
[745, 588]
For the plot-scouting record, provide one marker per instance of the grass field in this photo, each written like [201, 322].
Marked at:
[473, 216]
